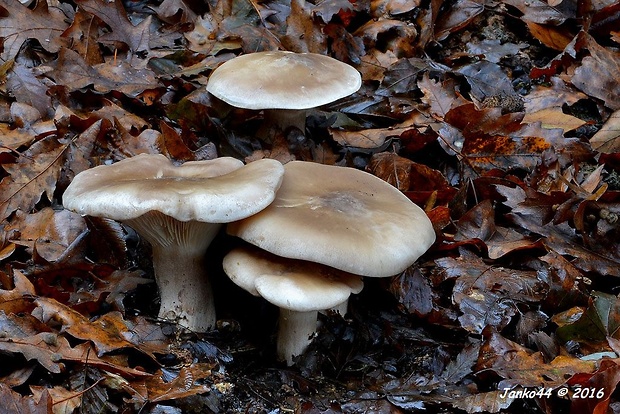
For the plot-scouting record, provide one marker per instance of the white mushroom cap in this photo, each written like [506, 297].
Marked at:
[298, 288]
[178, 210]
[341, 217]
[290, 284]
[283, 80]
[214, 191]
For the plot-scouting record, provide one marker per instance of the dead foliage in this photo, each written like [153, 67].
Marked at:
[499, 117]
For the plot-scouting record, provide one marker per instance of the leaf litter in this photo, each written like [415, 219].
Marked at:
[499, 119]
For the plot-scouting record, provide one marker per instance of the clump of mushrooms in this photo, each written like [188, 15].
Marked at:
[298, 288]
[178, 210]
[283, 84]
[339, 217]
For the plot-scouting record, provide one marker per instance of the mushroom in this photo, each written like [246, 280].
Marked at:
[283, 84]
[178, 210]
[340, 217]
[298, 288]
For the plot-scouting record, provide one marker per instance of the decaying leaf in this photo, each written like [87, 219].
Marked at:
[21, 23]
[607, 139]
[28, 180]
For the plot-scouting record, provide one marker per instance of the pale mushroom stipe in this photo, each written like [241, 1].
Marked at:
[178, 210]
[283, 84]
[298, 288]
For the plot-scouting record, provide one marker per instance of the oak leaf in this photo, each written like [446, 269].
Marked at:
[598, 74]
[43, 23]
[28, 180]
[114, 15]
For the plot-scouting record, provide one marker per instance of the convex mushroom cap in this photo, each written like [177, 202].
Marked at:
[178, 210]
[298, 288]
[283, 84]
[283, 80]
[340, 217]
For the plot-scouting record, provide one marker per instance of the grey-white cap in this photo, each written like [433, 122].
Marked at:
[289, 284]
[178, 210]
[214, 191]
[283, 80]
[341, 217]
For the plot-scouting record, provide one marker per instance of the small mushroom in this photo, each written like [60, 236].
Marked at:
[298, 288]
[340, 217]
[178, 210]
[283, 84]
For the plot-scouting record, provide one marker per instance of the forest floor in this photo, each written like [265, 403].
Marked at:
[500, 118]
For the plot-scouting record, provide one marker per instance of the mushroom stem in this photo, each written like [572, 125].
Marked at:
[295, 333]
[282, 119]
[185, 290]
[178, 261]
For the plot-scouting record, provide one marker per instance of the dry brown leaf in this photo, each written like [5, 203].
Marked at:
[42, 23]
[107, 333]
[15, 300]
[303, 34]
[440, 97]
[607, 139]
[29, 89]
[559, 93]
[15, 403]
[484, 402]
[551, 36]
[395, 35]
[52, 234]
[64, 401]
[74, 73]
[12, 138]
[484, 293]
[35, 173]
[553, 117]
[387, 8]
[114, 15]
[598, 74]
[82, 36]
[522, 367]
[457, 16]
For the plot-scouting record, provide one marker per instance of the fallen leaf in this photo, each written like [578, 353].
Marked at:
[607, 139]
[52, 234]
[114, 15]
[554, 118]
[28, 180]
[15, 403]
[107, 333]
[484, 292]
[522, 367]
[596, 76]
[43, 23]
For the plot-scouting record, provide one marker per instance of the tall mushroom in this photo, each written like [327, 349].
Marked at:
[178, 210]
[298, 288]
[283, 84]
[340, 217]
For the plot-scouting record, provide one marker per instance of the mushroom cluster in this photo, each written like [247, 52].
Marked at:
[349, 222]
[312, 231]
[178, 210]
